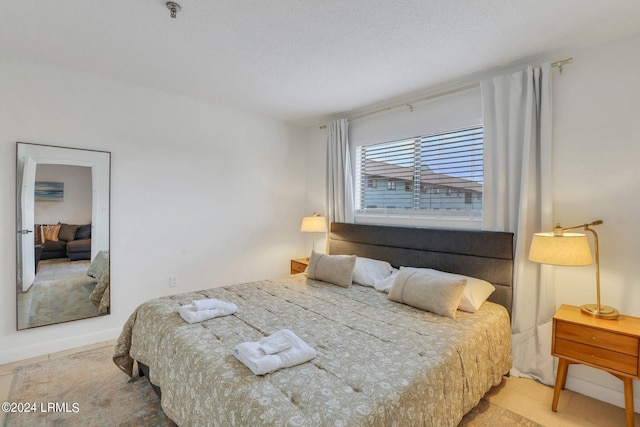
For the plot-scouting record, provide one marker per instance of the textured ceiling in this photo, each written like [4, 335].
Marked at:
[302, 61]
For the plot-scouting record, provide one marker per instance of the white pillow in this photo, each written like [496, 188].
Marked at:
[418, 288]
[475, 293]
[369, 271]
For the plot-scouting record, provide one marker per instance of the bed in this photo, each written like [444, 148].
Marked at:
[99, 270]
[378, 362]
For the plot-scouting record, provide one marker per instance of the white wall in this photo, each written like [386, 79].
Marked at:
[596, 171]
[178, 168]
[597, 176]
[75, 207]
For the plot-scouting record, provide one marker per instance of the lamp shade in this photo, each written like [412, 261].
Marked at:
[316, 224]
[567, 249]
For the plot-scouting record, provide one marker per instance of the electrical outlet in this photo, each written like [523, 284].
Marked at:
[173, 281]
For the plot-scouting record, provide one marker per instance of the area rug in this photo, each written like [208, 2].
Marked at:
[60, 293]
[83, 389]
[86, 389]
[57, 301]
[487, 414]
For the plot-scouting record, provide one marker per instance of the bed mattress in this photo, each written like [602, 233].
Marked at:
[378, 363]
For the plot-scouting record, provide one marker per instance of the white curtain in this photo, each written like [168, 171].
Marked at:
[339, 176]
[518, 199]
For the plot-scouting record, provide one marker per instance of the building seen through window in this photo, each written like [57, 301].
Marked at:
[438, 175]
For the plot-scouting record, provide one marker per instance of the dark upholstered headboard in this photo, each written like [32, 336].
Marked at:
[487, 255]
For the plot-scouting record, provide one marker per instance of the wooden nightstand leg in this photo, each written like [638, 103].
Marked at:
[564, 377]
[561, 379]
[628, 400]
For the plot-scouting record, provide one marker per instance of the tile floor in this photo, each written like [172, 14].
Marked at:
[7, 370]
[525, 397]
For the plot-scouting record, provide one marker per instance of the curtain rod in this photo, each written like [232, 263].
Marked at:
[558, 64]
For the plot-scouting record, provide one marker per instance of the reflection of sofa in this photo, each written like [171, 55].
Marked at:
[64, 241]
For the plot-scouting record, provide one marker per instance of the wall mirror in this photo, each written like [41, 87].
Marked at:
[62, 215]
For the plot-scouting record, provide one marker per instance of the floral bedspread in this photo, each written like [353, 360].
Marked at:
[378, 363]
[99, 270]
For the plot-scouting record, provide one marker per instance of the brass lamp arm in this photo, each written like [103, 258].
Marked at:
[558, 229]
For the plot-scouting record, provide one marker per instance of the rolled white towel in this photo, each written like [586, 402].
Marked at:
[190, 314]
[207, 304]
[260, 363]
[385, 284]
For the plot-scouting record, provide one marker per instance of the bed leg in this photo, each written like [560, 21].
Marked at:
[140, 371]
[143, 371]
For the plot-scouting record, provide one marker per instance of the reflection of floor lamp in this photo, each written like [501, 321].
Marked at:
[560, 248]
[314, 224]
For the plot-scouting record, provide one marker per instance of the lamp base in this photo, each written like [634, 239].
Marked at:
[603, 313]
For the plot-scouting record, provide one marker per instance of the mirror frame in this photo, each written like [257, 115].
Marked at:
[100, 164]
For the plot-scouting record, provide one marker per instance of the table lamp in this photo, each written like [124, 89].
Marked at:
[560, 248]
[314, 224]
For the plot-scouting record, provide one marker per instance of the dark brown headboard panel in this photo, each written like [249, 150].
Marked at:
[486, 255]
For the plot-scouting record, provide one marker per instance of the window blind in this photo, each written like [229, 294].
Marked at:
[440, 174]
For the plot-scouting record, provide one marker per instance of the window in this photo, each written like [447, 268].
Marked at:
[442, 175]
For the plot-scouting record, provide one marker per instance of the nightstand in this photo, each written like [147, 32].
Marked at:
[299, 265]
[610, 345]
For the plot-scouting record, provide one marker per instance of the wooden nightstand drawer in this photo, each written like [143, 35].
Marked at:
[597, 338]
[596, 356]
[299, 265]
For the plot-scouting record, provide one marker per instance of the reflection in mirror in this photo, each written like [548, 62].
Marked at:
[62, 215]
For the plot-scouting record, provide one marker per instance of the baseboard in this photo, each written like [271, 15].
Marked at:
[600, 392]
[47, 349]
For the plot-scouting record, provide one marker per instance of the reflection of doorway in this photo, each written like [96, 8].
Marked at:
[76, 205]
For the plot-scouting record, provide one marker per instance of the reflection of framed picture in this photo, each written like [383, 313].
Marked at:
[49, 191]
